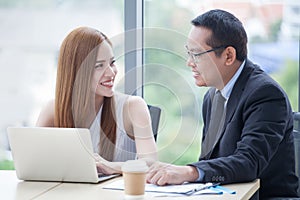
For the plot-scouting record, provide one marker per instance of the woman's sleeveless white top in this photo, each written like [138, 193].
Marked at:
[125, 147]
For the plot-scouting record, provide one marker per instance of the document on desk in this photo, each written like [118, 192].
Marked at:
[185, 189]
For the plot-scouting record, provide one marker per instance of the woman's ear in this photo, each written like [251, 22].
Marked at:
[230, 55]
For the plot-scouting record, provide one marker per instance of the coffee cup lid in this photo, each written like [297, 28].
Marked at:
[135, 166]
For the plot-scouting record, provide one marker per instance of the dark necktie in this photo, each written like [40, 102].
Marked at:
[216, 123]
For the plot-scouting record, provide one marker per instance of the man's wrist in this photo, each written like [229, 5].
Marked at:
[192, 174]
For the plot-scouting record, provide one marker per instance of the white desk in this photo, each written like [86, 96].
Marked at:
[12, 188]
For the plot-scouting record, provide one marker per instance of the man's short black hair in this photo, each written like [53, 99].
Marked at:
[226, 30]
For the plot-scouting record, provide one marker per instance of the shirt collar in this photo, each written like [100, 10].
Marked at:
[226, 91]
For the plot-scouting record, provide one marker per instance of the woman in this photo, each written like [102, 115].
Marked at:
[120, 124]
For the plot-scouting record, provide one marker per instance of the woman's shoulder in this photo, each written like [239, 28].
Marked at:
[136, 103]
[131, 104]
[46, 117]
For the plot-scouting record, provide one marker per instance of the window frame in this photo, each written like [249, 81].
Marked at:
[134, 45]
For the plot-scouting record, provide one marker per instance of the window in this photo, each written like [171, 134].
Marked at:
[30, 38]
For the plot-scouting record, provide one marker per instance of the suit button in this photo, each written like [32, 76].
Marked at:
[222, 178]
[213, 179]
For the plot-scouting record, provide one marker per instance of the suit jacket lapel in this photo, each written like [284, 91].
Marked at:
[237, 91]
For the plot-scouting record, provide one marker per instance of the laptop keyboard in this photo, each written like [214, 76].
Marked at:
[101, 175]
[104, 177]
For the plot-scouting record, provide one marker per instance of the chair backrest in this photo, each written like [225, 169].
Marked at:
[296, 132]
[155, 117]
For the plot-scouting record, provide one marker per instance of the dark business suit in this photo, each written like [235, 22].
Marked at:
[257, 140]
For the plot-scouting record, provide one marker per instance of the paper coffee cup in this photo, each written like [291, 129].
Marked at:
[134, 174]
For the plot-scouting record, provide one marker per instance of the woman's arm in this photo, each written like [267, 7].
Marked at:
[137, 118]
[46, 117]
[137, 124]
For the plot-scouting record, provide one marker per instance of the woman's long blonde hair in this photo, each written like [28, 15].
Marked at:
[74, 96]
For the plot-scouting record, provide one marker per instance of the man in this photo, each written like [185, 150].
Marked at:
[255, 138]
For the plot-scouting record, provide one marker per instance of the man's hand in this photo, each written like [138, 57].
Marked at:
[163, 174]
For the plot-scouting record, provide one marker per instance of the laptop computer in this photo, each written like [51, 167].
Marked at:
[54, 154]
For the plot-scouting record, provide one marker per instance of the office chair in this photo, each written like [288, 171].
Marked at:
[296, 133]
[155, 117]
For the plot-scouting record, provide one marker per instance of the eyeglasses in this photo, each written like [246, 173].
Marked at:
[195, 55]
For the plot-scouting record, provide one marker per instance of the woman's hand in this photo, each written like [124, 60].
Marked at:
[106, 167]
[112, 168]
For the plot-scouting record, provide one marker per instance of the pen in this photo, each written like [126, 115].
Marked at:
[202, 187]
[224, 189]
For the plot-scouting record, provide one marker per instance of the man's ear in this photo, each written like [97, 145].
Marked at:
[230, 55]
